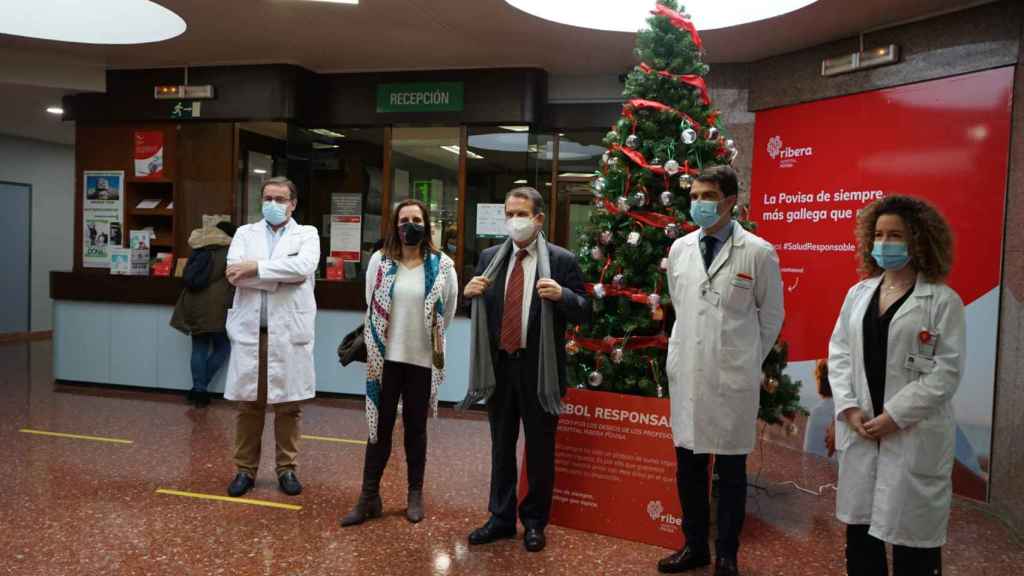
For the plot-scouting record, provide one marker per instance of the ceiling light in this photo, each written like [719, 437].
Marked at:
[55, 110]
[454, 149]
[515, 128]
[618, 16]
[322, 146]
[258, 171]
[576, 175]
[328, 133]
[107, 22]
[520, 182]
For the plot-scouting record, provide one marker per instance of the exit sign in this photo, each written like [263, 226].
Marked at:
[420, 97]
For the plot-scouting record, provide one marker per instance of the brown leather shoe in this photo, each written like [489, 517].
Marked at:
[683, 561]
[726, 567]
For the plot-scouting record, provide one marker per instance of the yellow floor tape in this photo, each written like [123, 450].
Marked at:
[249, 501]
[333, 439]
[75, 436]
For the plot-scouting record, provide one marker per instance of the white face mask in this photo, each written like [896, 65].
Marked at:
[520, 228]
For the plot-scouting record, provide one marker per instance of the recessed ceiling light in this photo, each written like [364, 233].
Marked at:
[258, 171]
[515, 128]
[520, 182]
[454, 149]
[328, 133]
[618, 16]
[107, 22]
[55, 110]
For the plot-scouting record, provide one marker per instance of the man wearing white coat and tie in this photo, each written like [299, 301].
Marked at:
[726, 290]
[272, 264]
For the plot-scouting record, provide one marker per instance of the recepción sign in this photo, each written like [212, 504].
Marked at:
[420, 97]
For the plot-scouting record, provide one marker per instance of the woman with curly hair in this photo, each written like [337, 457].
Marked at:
[895, 361]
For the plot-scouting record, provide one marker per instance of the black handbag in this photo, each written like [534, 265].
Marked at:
[352, 347]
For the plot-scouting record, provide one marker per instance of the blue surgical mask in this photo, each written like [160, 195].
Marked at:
[274, 213]
[890, 255]
[704, 213]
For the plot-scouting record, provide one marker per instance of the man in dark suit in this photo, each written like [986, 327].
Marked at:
[512, 295]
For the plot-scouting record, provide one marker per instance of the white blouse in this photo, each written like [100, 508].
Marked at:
[408, 340]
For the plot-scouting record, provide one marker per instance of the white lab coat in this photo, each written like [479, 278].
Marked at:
[727, 320]
[901, 485]
[287, 276]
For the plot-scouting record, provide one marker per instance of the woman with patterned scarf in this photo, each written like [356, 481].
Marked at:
[411, 293]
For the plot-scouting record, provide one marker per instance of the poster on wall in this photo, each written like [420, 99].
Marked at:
[346, 226]
[817, 165]
[149, 154]
[102, 215]
[615, 468]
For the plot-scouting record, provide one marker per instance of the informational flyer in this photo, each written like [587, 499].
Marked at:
[102, 215]
[346, 226]
[120, 261]
[149, 154]
[490, 221]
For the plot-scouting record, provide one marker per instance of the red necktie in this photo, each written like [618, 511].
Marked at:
[512, 316]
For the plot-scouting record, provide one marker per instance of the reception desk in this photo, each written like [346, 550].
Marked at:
[116, 330]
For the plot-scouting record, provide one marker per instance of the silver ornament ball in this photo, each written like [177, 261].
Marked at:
[685, 182]
[689, 136]
[632, 141]
[712, 133]
[595, 379]
[639, 199]
[667, 198]
[672, 167]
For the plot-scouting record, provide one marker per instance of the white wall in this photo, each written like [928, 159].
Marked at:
[50, 170]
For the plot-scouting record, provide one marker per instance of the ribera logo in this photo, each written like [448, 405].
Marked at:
[656, 510]
[786, 155]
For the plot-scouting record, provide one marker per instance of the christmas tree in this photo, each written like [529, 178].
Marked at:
[667, 133]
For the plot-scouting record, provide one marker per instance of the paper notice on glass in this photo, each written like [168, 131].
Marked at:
[346, 232]
[211, 220]
[120, 261]
[346, 204]
[401, 186]
[490, 221]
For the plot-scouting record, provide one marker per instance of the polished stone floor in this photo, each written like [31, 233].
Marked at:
[76, 506]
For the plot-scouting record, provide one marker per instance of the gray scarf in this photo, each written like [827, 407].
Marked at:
[481, 366]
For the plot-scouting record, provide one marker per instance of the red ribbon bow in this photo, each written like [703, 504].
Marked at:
[677, 20]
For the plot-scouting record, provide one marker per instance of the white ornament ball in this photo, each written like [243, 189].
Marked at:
[672, 230]
[612, 136]
[623, 203]
[639, 199]
[730, 143]
[632, 141]
[599, 291]
[619, 280]
[617, 355]
[689, 136]
[667, 198]
[654, 300]
[712, 133]
[599, 185]
[595, 379]
[633, 239]
[672, 167]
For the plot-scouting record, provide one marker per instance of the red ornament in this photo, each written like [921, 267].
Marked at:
[925, 336]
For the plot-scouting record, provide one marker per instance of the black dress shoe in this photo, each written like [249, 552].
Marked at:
[685, 560]
[289, 483]
[726, 567]
[240, 485]
[534, 540]
[201, 399]
[190, 396]
[491, 532]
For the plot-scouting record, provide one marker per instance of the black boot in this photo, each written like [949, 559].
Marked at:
[414, 510]
[368, 506]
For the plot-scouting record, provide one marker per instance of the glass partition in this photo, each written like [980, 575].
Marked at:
[425, 166]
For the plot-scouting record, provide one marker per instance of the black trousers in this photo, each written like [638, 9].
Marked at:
[515, 399]
[412, 384]
[692, 481]
[865, 556]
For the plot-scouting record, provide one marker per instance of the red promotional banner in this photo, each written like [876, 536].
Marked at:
[615, 468]
[149, 154]
[816, 165]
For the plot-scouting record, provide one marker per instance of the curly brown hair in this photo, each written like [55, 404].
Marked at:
[930, 242]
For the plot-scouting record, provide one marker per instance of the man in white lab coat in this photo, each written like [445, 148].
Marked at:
[272, 264]
[726, 290]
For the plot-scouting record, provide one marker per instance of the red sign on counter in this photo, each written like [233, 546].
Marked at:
[149, 154]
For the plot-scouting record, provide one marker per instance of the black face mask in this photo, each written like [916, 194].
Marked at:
[411, 233]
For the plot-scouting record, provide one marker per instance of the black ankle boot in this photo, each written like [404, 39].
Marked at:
[368, 506]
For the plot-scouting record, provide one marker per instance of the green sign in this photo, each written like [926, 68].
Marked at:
[181, 111]
[420, 97]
